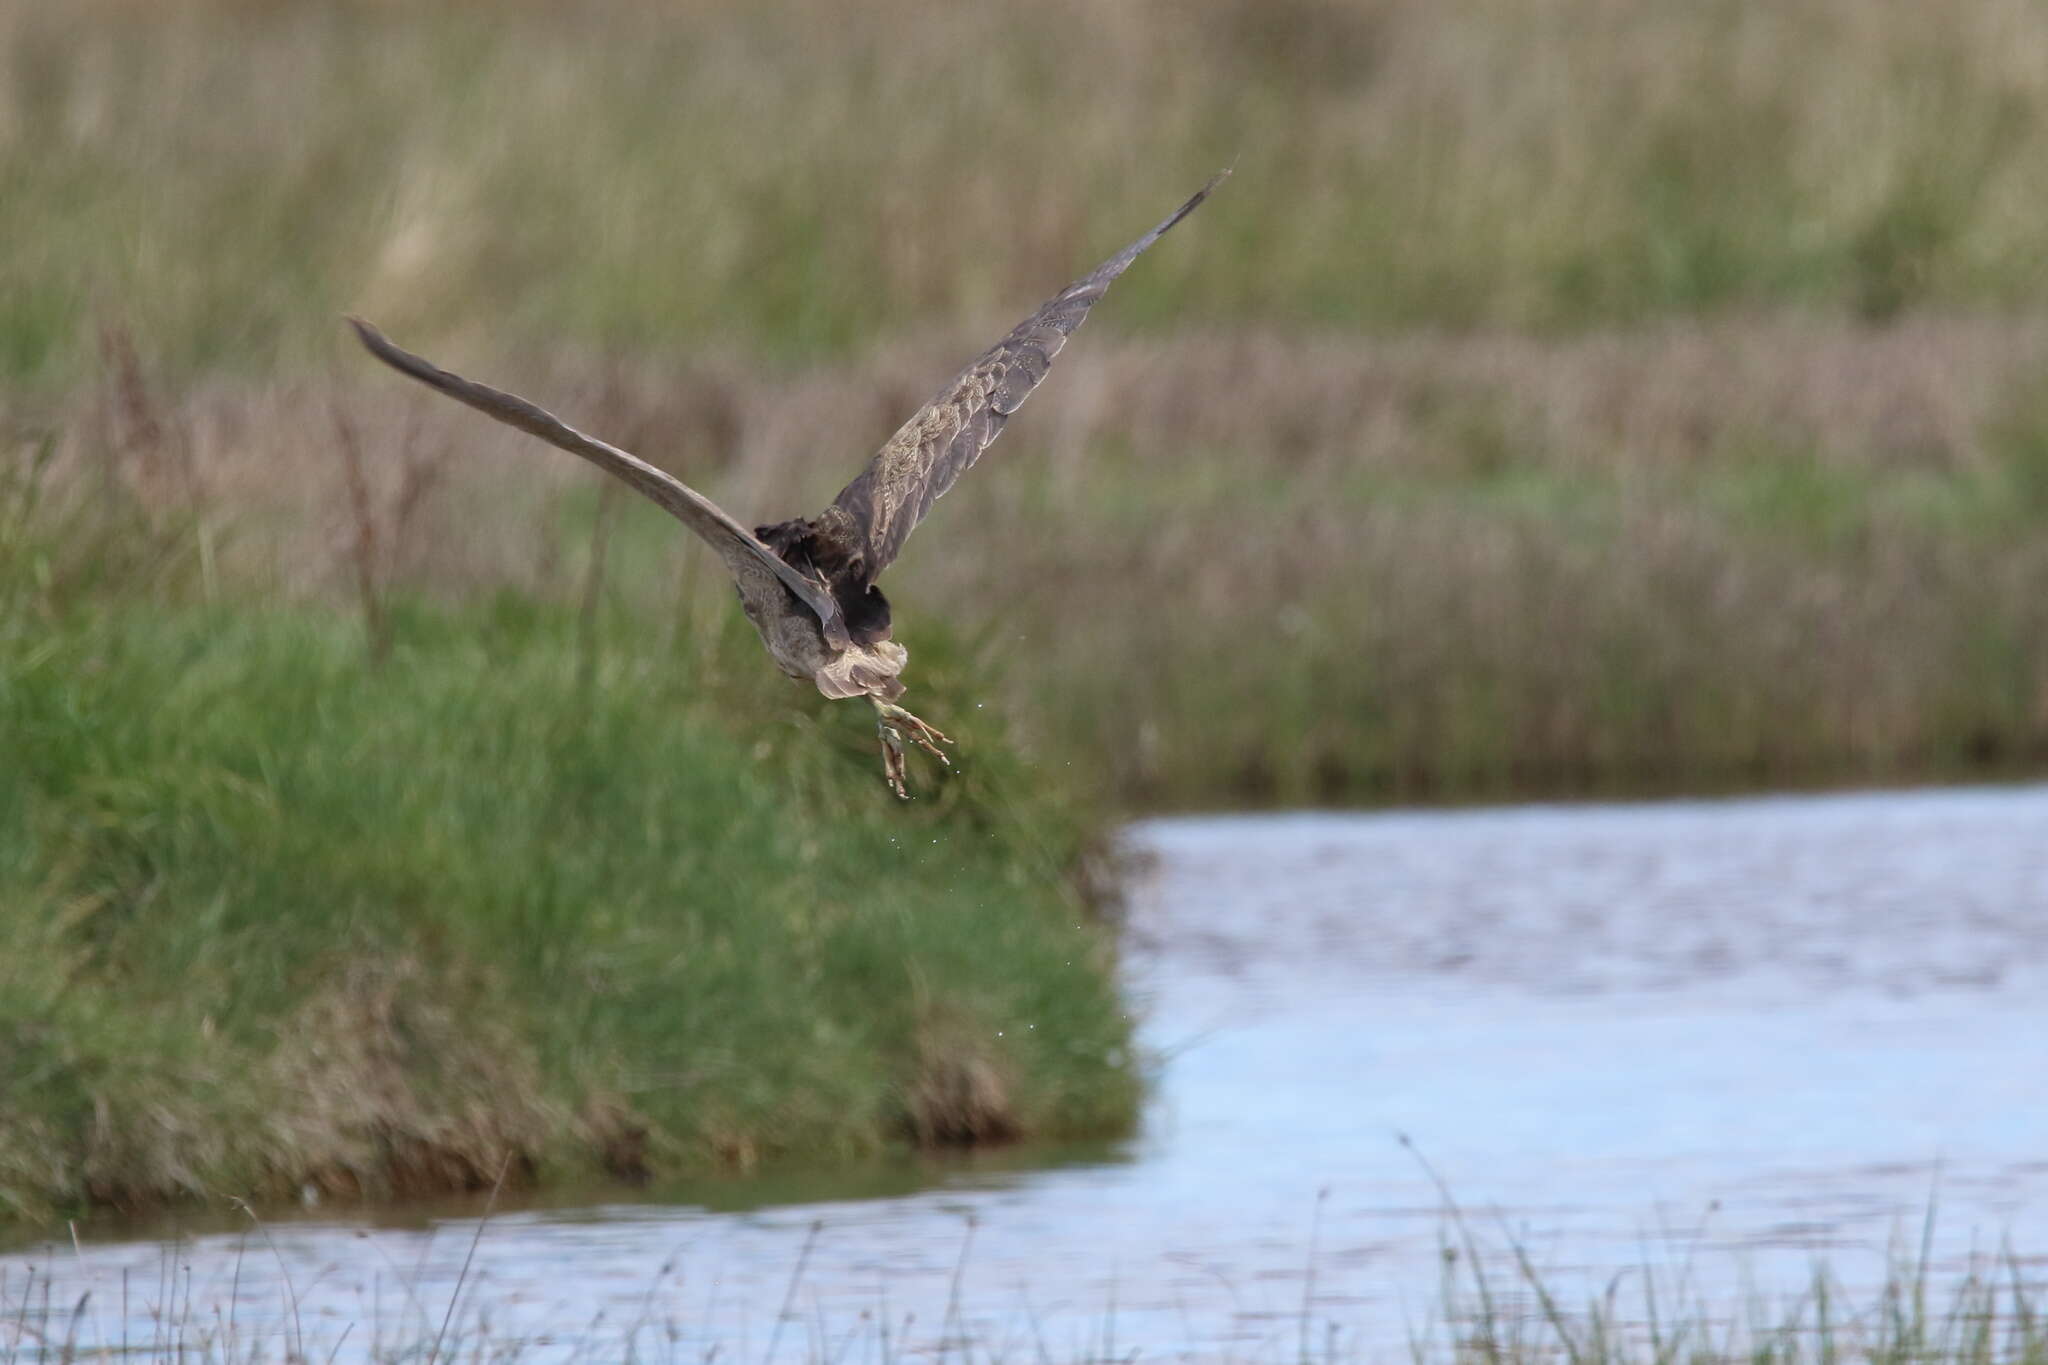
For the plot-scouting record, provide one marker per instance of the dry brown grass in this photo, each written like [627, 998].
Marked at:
[957, 1096]
[387, 1091]
[1764, 550]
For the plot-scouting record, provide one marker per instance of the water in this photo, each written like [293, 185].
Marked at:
[1723, 1039]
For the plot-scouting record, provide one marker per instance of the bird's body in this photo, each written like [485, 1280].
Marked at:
[808, 584]
[797, 644]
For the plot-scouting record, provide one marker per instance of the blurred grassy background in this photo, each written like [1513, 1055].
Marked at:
[1567, 397]
[795, 182]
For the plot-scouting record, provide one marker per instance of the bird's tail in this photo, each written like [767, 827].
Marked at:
[865, 671]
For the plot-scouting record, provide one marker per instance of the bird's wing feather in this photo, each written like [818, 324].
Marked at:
[741, 550]
[930, 451]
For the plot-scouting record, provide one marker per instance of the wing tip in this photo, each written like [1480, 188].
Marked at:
[1195, 200]
[1117, 264]
[398, 358]
[379, 345]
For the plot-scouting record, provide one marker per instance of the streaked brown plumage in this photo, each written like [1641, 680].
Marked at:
[808, 584]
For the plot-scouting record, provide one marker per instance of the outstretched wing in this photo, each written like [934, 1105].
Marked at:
[930, 451]
[742, 552]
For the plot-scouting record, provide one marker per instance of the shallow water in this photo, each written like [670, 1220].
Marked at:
[1719, 1039]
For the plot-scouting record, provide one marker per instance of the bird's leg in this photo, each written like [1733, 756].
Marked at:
[896, 725]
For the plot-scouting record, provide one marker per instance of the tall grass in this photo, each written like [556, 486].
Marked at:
[1495, 1305]
[1693, 557]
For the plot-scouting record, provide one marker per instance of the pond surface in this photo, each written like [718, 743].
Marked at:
[1720, 1040]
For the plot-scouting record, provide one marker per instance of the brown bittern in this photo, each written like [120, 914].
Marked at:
[808, 584]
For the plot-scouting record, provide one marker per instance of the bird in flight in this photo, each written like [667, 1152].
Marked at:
[808, 584]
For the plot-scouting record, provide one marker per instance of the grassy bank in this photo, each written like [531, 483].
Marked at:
[278, 918]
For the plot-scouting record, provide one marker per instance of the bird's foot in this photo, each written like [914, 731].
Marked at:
[897, 726]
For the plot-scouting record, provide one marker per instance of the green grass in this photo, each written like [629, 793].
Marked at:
[276, 917]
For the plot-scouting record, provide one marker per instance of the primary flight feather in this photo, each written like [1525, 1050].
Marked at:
[808, 584]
